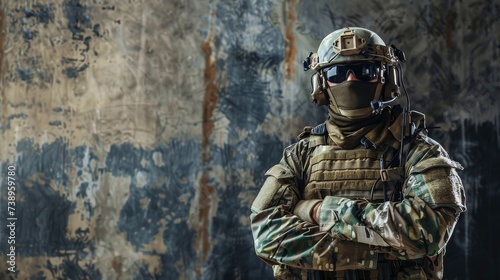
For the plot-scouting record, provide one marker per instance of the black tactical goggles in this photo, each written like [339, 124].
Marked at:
[363, 71]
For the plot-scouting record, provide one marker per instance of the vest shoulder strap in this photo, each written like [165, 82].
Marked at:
[315, 135]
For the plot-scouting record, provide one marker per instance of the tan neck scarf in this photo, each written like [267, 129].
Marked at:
[376, 132]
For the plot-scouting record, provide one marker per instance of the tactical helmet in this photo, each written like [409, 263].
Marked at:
[351, 44]
[354, 44]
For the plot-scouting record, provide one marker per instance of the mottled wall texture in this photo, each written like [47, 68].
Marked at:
[138, 132]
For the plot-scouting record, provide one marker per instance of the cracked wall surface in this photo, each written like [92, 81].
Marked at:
[140, 131]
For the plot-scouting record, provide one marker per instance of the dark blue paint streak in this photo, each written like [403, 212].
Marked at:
[237, 244]
[79, 155]
[166, 185]
[41, 209]
[51, 160]
[82, 192]
[42, 13]
[29, 34]
[72, 72]
[43, 212]
[245, 101]
[78, 17]
[78, 22]
[24, 73]
[125, 159]
[175, 179]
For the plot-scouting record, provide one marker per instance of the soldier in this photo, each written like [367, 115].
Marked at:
[366, 194]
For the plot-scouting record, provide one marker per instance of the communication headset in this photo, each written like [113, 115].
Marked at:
[390, 75]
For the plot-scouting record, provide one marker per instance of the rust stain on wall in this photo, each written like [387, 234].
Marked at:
[290, 47]
[202, 241]
[206, 192]
[210, 98]
[450, 19]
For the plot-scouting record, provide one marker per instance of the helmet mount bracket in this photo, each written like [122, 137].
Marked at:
[349, 43]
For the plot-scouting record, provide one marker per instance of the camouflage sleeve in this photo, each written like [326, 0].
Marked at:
[282, 238]
[419, 225]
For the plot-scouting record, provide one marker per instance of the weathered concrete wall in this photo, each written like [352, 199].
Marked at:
[140, 130]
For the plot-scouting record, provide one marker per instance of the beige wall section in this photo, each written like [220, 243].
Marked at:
[138, 78]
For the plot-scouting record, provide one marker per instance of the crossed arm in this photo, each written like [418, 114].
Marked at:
[338, 233]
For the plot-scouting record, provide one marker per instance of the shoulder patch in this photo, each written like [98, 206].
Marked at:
[430, 163]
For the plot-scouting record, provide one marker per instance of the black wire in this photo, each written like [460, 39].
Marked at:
[391, 163]
[402, 155]
[373, 188]
[404, 87]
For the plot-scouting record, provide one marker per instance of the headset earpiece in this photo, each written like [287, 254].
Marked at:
[318, 92]
[392, 81]
[395, 73]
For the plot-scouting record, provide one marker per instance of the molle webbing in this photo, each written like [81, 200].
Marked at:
[349, 173]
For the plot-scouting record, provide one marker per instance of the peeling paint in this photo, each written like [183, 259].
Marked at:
[41, 13]
[78, 17]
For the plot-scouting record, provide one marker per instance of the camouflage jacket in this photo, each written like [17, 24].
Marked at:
[353, 231]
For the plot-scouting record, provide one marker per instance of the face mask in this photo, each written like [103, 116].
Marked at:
[351, 99]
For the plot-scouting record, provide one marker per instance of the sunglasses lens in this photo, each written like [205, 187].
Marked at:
[362, 71]
[336, 74]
